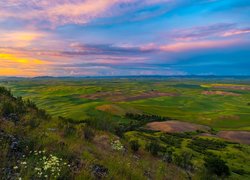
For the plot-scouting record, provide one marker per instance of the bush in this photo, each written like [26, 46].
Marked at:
[34, 123]
[146, 118]
[7, 109]
[217, 166]
[168, 156]
[153, 148]
[202, 145]
[134, 145]
[4, 91]
[69, 130]
[88, 133]
[184, 160]
[105, 124]
[171, 140]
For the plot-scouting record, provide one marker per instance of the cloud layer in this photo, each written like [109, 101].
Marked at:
[124, 37]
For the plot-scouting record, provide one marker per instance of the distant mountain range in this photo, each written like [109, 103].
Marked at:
[137, 76]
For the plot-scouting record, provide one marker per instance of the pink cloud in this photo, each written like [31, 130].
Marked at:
[184, 46]
[236, 32]
[60, 12]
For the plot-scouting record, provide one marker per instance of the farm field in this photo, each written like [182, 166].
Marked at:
[220, 104]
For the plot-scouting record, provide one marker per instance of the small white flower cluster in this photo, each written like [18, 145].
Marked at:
[117, 145]
[43, 165]
[50, 165]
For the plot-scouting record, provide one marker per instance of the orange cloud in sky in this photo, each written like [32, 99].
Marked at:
[17, 72]
[16, 59]
[19, 39]
[18, 65]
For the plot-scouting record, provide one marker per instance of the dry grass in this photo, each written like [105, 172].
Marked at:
[222, 93]
[235, 136]
[175, 126]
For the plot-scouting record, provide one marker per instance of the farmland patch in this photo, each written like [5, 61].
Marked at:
[176, 126]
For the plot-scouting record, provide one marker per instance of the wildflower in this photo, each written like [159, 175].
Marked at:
[116, 145]
[15, 167]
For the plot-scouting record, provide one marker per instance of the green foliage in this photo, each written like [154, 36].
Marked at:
[146, 118]
[168, 155]
[134, 145]
[5, 91]
[7, 108]
[88, 133]
[217, 166]
[34, 123]
[104, 124]
[154, 148]
[184, 160]
[69, 130]
[172, 140]
[202, 145]
[31, 104]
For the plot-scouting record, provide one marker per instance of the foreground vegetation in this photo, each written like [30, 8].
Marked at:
[111, 143]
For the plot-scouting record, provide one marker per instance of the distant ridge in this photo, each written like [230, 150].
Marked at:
[127, 76]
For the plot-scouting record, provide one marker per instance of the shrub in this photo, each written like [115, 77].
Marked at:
[7, 109]
[88, 133]
[69, 130]
[217, 166]
[201, 145]
[33, 123]
[171, 140]
[153, 148]
[105, 124]
[146, 118]
[168, 156]
[4, 91]
[134, 145]
[184, 160]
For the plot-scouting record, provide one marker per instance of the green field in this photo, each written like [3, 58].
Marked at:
[62, 97]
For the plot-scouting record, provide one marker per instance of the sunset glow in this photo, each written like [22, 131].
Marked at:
[124, 37]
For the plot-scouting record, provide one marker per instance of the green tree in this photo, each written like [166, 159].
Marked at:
[217, 166]
[134, 145]
[153, 148]
[168, 156]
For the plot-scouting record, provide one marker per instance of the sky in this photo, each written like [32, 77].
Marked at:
[124, 37]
